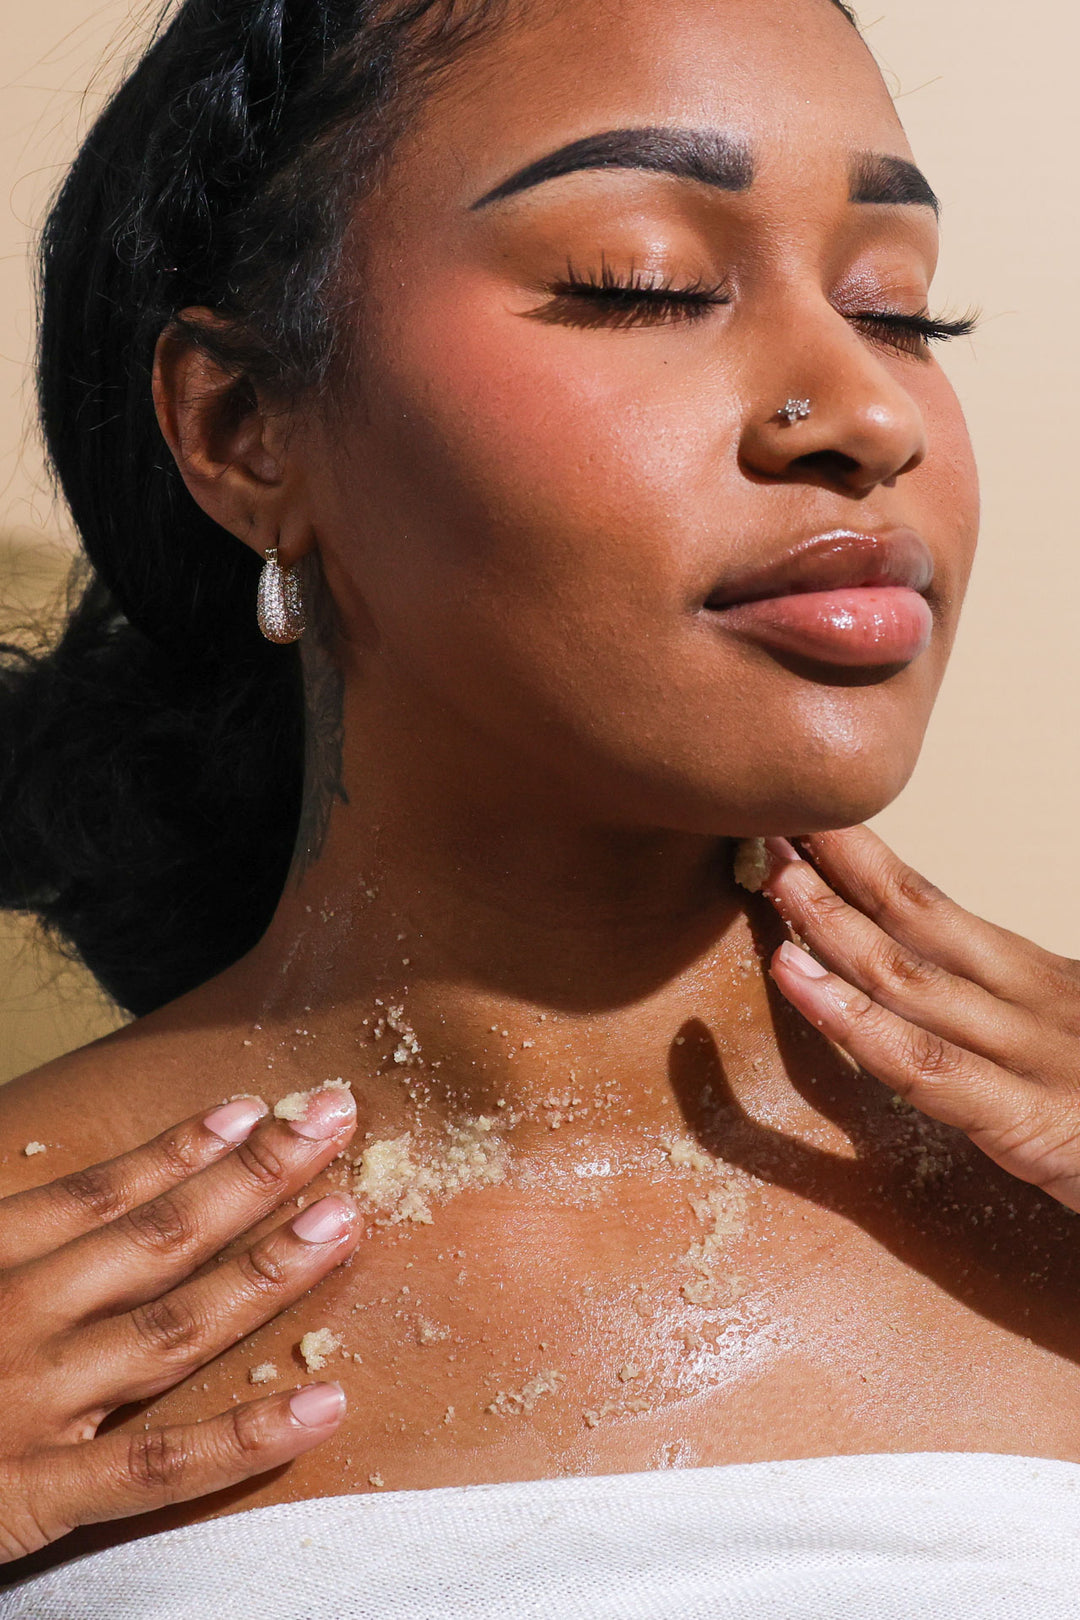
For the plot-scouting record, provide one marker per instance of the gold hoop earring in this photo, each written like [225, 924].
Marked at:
[281, 611]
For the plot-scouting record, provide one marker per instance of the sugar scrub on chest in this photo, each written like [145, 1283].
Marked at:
[400, 1178]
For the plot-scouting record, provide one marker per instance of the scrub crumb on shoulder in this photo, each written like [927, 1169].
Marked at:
[34, 1147]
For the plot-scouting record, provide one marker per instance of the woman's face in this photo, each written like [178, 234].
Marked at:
[541, 507]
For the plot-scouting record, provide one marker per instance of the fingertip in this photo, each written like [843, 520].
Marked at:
[329, 1111]
[799, 962]
[234, 1121]
[782, 850]
[782, 857]
[318, 1406]
[328, 1220]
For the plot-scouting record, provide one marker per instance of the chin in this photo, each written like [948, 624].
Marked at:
[812, 789]
[834, 775]
[822, 799]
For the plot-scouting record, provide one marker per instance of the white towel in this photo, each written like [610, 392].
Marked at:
[915, 1536]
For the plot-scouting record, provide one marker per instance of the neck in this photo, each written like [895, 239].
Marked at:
[470, 948]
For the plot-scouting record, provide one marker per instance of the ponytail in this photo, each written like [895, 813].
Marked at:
[151, 763]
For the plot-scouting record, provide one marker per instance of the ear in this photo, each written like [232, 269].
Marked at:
[230, 443]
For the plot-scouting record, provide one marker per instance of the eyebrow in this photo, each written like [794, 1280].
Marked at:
[877, 178]
[690, 154]
[711, 157]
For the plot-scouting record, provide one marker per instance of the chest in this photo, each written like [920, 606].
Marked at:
[728, 1320]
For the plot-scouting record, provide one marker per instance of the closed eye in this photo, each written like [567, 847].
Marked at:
[639, 299]
[910, 334]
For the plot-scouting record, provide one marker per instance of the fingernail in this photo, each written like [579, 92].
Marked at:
[235, 1121]
[318, 1405]
[801, 961]
[326, 1112]
[782, 850]
[327, 1219]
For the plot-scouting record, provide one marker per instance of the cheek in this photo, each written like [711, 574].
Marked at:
[946, 489]
[548, 468]
[548, 501]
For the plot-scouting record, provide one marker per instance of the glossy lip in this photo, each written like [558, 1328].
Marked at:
[840, 599]
[840, 560]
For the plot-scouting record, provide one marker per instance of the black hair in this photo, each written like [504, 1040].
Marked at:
[151, 763]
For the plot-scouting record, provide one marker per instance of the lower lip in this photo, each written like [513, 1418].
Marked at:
[868, 625]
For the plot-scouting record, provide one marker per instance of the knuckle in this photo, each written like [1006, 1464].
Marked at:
[163, 1226]
[898, 970]
[907, 890]
[1035, 1143]
[169, 1327]
[261, 1164]
[859, 1008]
[245, 1435]
[178, 1156]
[26, 1521]
[826, 909]
[1059, 982]
[932, 1057]
[158, 1462]
[94, 1192]
[262, 1269]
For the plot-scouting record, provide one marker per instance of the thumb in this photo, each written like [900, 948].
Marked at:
[121, 1474]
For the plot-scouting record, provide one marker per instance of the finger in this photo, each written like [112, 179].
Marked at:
[150, 1249]
[153, 1347]
[870, 876]
[1029, 1132]
[43, 1218]
[905, 982]
[121, 1474]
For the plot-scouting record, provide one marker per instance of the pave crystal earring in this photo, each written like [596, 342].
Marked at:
[281, 611]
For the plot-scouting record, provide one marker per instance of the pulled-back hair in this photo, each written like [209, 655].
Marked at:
[151, 763]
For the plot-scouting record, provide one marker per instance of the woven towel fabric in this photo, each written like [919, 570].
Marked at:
[938, 1535]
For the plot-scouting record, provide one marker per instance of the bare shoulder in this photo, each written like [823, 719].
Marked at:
[107, 1097]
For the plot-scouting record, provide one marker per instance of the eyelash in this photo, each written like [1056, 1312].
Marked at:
[637, 301]
[640, 301]
[910, 334]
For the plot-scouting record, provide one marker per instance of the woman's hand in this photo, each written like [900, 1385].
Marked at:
[971, 1024]
[100, 1308]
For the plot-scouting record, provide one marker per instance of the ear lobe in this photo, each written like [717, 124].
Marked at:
[227, 446]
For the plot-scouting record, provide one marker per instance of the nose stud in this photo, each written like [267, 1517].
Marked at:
[796, 410]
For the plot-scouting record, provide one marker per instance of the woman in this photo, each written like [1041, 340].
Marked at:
[590, 423]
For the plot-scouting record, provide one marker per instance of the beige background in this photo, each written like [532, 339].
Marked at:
[987, 91]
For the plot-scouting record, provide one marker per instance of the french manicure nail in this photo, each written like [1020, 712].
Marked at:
[235, 1121]
[782, 849]
[318, 1405]
[326, 1112]
[327, 1219]
[801, 961]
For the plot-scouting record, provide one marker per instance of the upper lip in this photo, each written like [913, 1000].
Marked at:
[840, 559]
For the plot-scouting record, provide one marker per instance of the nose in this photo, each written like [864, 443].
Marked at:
[863, 428]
